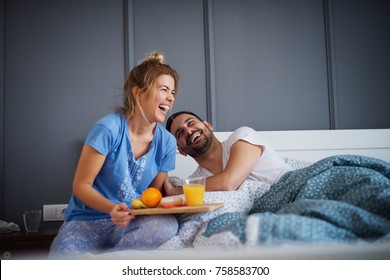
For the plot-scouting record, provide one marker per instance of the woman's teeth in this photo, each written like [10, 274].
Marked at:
[165, 108]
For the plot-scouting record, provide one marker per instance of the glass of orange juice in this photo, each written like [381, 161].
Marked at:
[194, 189]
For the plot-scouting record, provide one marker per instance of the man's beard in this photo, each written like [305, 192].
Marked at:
[201, 149]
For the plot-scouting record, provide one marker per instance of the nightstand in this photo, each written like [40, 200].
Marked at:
[26, 245]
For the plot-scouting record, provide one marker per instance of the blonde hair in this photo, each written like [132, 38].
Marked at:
[144, 75]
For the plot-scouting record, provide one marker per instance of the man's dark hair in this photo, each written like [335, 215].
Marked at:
[172, 117]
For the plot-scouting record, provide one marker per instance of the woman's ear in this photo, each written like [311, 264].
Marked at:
[135, 91]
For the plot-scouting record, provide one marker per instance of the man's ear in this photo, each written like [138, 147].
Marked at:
[181, 151]
[208, 125]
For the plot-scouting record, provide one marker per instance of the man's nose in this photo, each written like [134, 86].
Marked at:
[188, 130]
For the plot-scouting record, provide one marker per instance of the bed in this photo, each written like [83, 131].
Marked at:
[334, 205]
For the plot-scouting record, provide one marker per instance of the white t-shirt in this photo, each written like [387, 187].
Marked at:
[270, 166]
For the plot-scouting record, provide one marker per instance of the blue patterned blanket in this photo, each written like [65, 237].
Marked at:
[338, 199]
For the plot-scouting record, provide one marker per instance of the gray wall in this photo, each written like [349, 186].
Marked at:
[64, 69]
[176, 28]
[272, 65]
[2, 99]
[270, 61]
[361, 45]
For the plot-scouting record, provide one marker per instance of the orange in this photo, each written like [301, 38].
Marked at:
[151, 197]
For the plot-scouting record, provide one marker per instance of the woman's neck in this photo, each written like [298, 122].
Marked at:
[141, 136]
[138, 126]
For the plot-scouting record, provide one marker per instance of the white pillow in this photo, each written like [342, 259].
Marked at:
[296, 163]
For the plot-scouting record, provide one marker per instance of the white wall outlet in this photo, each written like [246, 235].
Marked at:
[54, 212]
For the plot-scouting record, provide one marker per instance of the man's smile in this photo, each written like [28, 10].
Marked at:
[194, 138]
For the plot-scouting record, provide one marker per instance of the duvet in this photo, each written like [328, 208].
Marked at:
[343, 198]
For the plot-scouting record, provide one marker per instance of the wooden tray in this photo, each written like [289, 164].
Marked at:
[177, 210]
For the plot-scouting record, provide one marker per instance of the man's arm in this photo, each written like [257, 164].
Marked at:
[172, 189]
[243, 157]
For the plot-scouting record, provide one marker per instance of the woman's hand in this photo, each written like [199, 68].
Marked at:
[120, 215]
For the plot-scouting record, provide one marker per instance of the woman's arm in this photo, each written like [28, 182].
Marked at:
[243, 157]
[90, 163]
[158, 181]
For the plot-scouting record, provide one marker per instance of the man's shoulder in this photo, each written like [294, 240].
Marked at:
[242, 131]
[245, 133]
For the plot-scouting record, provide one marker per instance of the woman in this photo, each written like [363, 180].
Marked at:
[125, 152]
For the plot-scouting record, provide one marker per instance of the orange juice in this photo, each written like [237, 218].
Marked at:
[194, 194]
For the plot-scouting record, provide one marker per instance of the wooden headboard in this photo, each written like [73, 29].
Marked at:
[311, 145]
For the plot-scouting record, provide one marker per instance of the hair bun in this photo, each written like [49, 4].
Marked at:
[154, 57]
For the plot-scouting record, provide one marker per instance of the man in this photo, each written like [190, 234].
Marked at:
[244, 155]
